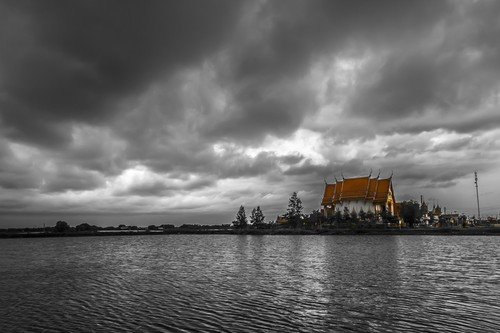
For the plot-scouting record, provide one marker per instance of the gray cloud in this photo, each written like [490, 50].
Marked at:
[403, 86]
[65, 61]
[156, 187]
[71, 179]
[199, 94]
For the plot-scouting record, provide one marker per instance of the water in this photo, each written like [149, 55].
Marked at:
[230, 283]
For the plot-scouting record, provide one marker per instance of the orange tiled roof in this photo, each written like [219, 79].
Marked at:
[366, 188]
[382, 190]
[355, 188]
[338, 190]
[372, 189]
[328, 195]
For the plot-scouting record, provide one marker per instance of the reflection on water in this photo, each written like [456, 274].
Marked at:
[214, 283]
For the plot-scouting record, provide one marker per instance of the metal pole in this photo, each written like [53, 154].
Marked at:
[477, 197]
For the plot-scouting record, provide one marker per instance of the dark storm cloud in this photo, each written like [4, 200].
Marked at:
[90, 90]
[35, 173]
[309, 168]
[331, 171]
[291, 159]
[411, 85]
[239, 166]
[72, 179]
[21, 123]
[230, 164]
[147, 189]
[157, 187]
[405, 85]
[258, 114]
[450, 75]
[283, 42]
[437, 174]
[12, 205]
[72, 60]
[295, 31]
[416, 164]
[14, 174]
[461, 121]
[94, 149]
[261, 72]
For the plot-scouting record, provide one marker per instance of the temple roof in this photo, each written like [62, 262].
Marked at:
[329, 192]
[360, 188]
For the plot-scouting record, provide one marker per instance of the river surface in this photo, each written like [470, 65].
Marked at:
[243, 283]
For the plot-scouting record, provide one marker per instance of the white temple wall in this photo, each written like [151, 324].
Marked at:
[357, 205]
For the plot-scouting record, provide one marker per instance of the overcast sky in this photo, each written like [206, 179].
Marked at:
[181, 111]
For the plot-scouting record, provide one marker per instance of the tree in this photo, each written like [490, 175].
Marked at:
[316, 218]
[241, 219]
[370, 216]
[337, 217]
[385, 216]
[257, 217]
[410, 212]
[61, 226]
[388, 218]
[86, 227]
[362, 215]
[294, 210]
[353, 219]
[354, 215]
[346, 215]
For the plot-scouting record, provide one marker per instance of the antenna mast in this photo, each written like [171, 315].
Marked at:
[477, 197]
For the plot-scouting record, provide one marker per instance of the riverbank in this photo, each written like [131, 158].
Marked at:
[483, 231]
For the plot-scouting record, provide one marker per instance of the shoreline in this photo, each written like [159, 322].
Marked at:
[477, 231]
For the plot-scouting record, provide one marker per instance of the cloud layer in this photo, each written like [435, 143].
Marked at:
[185, 110]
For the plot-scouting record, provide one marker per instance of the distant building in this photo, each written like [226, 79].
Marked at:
[425, 218]
[281, 220]
[424, 209]
[361, 193]
[436, 210]
[447, 220]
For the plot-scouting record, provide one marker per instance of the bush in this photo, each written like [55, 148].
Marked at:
[61, 226]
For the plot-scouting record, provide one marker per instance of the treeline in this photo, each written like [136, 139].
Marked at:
[293, 215]
[295, 218]
[59, 227]
[62, 227]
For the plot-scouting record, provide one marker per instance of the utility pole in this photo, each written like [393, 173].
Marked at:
[477, 197]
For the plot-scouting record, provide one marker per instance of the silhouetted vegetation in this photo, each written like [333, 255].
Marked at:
[61, 226]
[86, 227]
[241, 221]
[410, 212]
[312, 224]
[257, 218]
[294, 211]
[294, 221]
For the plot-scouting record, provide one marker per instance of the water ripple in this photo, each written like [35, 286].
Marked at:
[229, 283]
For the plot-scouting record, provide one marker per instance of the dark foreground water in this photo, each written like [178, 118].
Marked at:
[217, 283]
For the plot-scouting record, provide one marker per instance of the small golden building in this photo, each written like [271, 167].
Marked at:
[362, 193]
